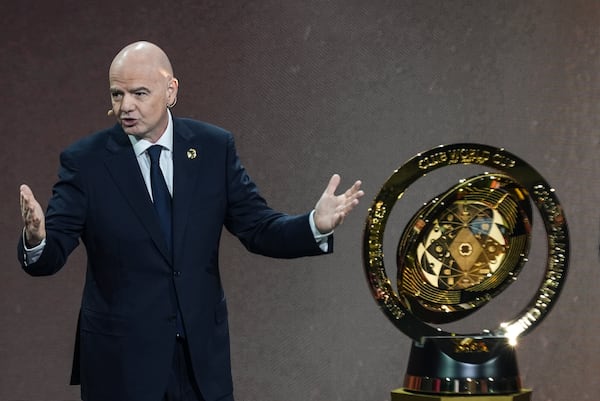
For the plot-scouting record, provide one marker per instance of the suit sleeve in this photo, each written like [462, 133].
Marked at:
[64, 221]
[261, 229]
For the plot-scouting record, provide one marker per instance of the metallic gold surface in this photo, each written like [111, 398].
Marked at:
[462, 386]
[463, 247]
[529, 183]
[191, 153]
[404, 395]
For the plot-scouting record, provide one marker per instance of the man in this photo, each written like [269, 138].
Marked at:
[153, 321]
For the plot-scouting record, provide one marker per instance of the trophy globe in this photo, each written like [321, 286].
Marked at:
[458, 252]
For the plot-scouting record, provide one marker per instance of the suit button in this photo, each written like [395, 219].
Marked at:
[176, 273]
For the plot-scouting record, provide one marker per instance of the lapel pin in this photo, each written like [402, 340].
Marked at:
[191, 153]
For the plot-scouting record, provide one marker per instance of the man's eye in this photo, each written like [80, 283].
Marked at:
[116, 95]
[141, 93]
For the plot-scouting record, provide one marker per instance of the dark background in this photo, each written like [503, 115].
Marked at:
[310, 88]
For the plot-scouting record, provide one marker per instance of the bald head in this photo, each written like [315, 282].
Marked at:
[146, 54]
[142, 88]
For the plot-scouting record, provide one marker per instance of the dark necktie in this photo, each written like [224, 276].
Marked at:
[160, 193]
[162, 204]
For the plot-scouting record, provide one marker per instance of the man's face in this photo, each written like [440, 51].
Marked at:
[140, 93]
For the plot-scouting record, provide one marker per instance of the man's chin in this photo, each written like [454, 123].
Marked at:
[131, 130]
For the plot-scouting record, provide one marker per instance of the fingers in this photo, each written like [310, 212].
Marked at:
[33, 216]
[26, 196]
[28, 202]
[354, 191]
[29, 206]
[350, 199]
[331, 209]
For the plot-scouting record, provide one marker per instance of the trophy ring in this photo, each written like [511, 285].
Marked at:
[457, 253]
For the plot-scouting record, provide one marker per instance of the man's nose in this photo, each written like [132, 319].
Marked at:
[127, 103]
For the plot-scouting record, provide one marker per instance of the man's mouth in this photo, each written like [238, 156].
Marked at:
[128, 122]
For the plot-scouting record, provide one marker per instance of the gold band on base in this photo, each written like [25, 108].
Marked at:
[447, 385]
[404, 395]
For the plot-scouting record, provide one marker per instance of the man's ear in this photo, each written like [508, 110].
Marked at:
[172, 89]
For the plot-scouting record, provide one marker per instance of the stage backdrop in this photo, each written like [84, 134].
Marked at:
[310, 88]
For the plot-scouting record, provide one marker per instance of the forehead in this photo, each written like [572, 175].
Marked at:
[134, 74]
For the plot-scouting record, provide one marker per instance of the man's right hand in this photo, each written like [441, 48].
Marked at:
[33, 218]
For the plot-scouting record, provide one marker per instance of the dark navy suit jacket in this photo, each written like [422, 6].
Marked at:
[127, 324]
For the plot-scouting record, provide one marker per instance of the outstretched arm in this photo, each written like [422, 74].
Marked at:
[33, 218]
[331, 209]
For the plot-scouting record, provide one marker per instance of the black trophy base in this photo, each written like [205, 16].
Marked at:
[403, 395]
[459, 365]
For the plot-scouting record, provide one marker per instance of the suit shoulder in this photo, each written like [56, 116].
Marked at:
[90, 141]
[203, 129]
[201, 125]
[94, 144]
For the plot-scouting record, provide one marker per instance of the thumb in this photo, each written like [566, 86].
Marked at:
[333, 184]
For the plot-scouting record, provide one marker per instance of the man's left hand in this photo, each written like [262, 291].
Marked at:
[331, 209]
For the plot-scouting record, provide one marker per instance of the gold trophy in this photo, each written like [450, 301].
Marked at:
[458, 252]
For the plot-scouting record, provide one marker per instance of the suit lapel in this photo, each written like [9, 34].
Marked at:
[125, 171]
[186, 160]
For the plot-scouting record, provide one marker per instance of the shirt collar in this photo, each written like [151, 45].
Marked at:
[165, 140]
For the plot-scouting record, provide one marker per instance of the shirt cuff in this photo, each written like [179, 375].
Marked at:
[321, 239]
[32, 255]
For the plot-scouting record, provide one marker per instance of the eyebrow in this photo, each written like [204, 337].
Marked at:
[141, 88]
[137, 89]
